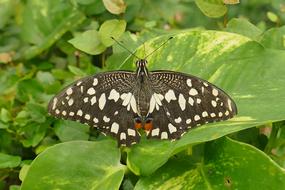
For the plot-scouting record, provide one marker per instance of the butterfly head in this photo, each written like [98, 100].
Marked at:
[141, 63]
[141, 67]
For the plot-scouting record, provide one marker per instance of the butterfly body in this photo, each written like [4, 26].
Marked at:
[165, 104]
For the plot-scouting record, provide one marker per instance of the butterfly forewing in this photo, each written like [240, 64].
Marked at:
[180, 102]
[105, 101]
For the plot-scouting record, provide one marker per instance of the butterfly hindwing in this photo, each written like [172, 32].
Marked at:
[180, 102]
[104, 101]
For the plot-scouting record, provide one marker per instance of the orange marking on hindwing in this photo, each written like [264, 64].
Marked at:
[138, 125]
[148, 126]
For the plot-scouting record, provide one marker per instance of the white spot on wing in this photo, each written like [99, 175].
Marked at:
[71, 113]
[155, 102]
[182, 102]
[126, 99]
[171, 128]
[133, 104]
[170, 96]
[215, 92]
[78, 83]
[70, 102]
[155, 132]
[79, 113]
[220, 114]
[114, 95]
[87, 116]
[196, 117]
[204, 114]
[69, 91]
[189, 82]
[123, 136]
[214, 103]
[230, 105]
[151, 104]
[131, 132]
[54, 103]
[102, 101]
[191, 101]
[198, 100]
[164, 135]
[188, 121]
[178, 120]
[227, 113]
[93, 100]
[106, 119]
[193, 92]
[91, 91]
[95, 81]
[115, 128]
[213, 115]
[63, 113]
[57, 111]
[86, 99]
[95, 120]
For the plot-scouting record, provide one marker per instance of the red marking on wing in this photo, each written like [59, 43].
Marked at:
[148, 126]
[138, 125]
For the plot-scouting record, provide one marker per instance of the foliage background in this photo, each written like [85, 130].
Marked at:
[45, 45]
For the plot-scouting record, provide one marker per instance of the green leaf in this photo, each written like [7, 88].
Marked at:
[45, 78]
[6, 10]
[212, 8]
[89, 42]
[244, 27]
[111, 28]
[115, 6]
[14, 187]
[69, 130]
[229, 61]
[272, 17]
[274, 38]
[28, 89]
[44, 22]
[9, 161]
[76, 165]
[36, 112]
[227, 164]
[85, 2]
[23, 172]
[5, 115]
[33, 133]
[76, 71]
[231, 2]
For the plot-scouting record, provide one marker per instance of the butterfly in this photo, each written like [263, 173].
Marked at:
[165, 104]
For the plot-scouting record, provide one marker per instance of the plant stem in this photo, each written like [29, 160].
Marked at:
[272, 138]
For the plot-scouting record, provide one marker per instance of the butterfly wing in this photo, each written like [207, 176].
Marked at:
[180, 102]
[104, 101]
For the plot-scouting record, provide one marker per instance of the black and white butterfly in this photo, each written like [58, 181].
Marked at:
[165, 104]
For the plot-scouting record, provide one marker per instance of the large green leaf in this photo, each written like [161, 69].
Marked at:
[89, 42]
[227, 164]
[252, 75]
[70, 130]
[9, 161]
[44, 22]
[76, 165]
[212, 8]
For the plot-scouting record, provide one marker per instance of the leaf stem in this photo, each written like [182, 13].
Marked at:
[272, 138]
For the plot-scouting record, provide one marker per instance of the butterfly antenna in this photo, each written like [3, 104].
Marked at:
[159, 47]
[120, 44]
